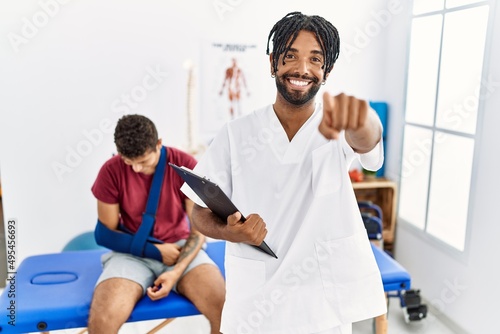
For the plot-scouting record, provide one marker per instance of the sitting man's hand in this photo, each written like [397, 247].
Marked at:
[252, 231]
[162, 285]
[169, 253]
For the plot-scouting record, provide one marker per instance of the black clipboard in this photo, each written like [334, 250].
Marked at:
[214, 198]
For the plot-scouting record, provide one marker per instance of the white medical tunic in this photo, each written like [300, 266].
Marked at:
[325, 274]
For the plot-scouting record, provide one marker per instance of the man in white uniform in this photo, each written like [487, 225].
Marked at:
[286, 168]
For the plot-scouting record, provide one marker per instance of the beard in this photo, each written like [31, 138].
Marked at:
[297, 98]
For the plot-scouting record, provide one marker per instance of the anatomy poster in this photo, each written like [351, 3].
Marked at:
[228, 84]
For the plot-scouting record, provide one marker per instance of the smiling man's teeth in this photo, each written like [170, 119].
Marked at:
[299, 83]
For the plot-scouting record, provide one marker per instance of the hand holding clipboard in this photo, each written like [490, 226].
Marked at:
[214, 198]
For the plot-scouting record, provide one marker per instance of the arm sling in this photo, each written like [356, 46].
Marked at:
[141, 243]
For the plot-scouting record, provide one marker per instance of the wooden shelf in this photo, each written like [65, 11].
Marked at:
[382, 192]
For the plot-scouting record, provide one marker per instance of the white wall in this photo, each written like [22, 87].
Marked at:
[461, 289]
[60, 89]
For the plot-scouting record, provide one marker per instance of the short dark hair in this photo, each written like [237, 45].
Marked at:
[135, 135]
[286, 31]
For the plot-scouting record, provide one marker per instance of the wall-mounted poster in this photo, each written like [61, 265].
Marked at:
[227, 84]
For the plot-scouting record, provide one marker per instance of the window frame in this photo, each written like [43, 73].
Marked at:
[423, 234]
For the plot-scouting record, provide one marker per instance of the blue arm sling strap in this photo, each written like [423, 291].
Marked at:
[138, 244]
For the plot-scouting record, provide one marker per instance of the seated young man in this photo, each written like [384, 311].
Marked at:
[122, 188]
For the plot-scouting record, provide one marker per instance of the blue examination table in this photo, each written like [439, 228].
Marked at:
[53, 291]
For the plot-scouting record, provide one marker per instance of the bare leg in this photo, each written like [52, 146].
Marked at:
[205, 287]
[112, 303]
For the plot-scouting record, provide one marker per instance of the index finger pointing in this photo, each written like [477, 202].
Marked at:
[341, 113]
[328, 101]
[328, 105]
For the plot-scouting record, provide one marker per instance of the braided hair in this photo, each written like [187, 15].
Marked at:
[285, 32]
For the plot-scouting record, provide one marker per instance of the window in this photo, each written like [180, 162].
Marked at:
[443, 99]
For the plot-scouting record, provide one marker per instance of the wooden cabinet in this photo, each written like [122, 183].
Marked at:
[382, 192]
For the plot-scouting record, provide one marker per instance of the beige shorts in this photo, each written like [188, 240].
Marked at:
[143, 271]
